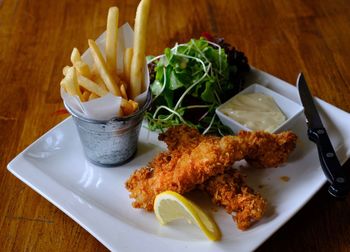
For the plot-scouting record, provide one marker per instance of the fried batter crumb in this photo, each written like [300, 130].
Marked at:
[193, 160]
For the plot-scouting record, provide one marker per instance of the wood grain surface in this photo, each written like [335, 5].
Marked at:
[280, 37]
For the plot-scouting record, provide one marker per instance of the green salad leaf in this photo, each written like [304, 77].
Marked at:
[190, 81]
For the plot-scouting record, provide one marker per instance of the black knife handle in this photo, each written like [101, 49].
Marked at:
[339, 182]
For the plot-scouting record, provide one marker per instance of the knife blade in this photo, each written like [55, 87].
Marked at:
[336, 175]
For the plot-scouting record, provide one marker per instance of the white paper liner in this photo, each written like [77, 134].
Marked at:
[108, 106]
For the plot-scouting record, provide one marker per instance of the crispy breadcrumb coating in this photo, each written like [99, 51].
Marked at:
[230, 191]
[194, 160]
[181, 170]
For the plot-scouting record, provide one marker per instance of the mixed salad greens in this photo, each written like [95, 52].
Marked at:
[190, 80]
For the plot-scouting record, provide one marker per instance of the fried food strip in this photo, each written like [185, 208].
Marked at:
[267, 150]
[262, 148]
[230, 191]
[181, 171]
[193, 158]
[181, 138]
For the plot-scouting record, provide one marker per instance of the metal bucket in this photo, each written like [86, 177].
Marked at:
[112, 142]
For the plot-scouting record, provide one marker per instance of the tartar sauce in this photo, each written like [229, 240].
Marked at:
[255, 111]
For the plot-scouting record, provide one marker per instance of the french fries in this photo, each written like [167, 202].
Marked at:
[102, 68]
[91, 86]
[127, 64]
[65, 70]
[70, 83]
[112, 39]
[92, 96]
[97, 80]
[128, 106]
[123, 91]
[86, 95]
[139, 54]
[75, 56]
[80, 66]
[88, 84]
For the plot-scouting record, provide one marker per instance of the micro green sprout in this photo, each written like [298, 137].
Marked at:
[191, 80]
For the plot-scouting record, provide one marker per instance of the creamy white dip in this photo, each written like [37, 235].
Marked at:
[255, 111]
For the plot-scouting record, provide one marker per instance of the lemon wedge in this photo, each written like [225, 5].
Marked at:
[169, 206]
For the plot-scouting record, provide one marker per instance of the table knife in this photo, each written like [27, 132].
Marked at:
[336, 175]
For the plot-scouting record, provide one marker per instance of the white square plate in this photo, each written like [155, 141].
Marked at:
[96, 197]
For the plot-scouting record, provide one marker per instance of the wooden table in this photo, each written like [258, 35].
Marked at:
[280, 37]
